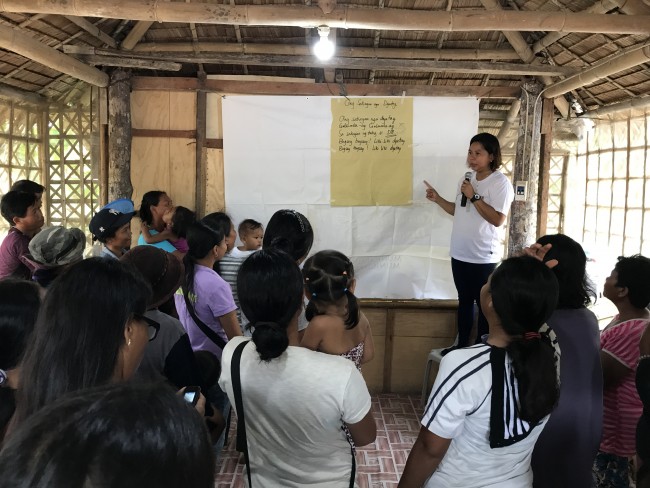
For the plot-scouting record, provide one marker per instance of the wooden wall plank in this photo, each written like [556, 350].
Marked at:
[150, 110]
[182, 172]
[425, 323]
[182, 110]
[215, 195]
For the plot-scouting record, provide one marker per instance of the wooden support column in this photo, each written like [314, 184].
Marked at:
[119, 135]
[201, 150]
[523, 216]
[546, 146]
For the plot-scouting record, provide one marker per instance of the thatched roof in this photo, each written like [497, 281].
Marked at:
[390, 54]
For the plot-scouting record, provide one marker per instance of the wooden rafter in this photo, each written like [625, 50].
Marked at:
[410, 65]
[342, 16]
[283, 88]
[93, 30]
[22, 44]
[341, 51]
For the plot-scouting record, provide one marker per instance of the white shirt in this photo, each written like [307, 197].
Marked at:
[459, 409]
[474, 239]
[294, 407]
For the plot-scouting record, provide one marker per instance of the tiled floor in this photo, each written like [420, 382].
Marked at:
[378, 465]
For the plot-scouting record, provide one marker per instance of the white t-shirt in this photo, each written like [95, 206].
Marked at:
[459, 409]
[474, 239]
[294, 407]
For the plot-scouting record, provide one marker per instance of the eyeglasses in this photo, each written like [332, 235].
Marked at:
[152, 326]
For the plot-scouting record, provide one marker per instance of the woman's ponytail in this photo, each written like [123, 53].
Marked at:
[533, 360]
[524, 294]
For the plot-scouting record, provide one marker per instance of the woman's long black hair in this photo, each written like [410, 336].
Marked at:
[291, 232]
[149, 199]
[576, 291]
[124, 435]
[270, 294]
[80, 330]
[19, 304]
[524, 294]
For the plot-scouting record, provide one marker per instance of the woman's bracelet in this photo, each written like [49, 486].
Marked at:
[644, 356]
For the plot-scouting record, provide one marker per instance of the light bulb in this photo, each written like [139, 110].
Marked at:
[324, 48]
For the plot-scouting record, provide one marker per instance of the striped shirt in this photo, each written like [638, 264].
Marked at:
[228, 270]
[459, 409]
[622, 406]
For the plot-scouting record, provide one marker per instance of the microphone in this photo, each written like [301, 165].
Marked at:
[463, 200]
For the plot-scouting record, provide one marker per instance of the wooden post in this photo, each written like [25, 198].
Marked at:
[523, 217]
[544, 166]
[119, 135]
[201, 151]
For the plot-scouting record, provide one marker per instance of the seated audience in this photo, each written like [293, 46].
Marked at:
[490, 401]
[575, 425]
[628, 287]
[127, 436]
[23, 212]
[91, 330]
[19, 303]
[294, 399]
[113, 229]
[52, 250]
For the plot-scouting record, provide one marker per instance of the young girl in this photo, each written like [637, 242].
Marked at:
[177, 221]
[336, 325]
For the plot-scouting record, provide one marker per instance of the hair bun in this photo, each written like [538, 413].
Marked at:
[270, 339]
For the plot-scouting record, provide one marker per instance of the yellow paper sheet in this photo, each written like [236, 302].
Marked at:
[372, 151]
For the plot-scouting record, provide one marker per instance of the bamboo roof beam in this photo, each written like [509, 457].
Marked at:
[93, 30]
[628, 7]
[341, 51]
[317, 89]
[410, 65]
[135, 34]
[8, 92]
[13, 40]
[631, 104]
[522, 48]
[599, 71]
[130, 63]
[341, 16]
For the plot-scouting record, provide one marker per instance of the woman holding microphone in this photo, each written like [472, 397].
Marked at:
[479, 209]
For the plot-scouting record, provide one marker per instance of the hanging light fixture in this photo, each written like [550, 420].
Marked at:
[324, 48]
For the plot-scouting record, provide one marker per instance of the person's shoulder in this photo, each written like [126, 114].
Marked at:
[324, 322]
[466, 358]
[329, 362]
[167, 323]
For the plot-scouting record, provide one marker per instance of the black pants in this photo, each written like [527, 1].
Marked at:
[469, 278]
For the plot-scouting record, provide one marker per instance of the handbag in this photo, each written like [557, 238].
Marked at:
[241, 422]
